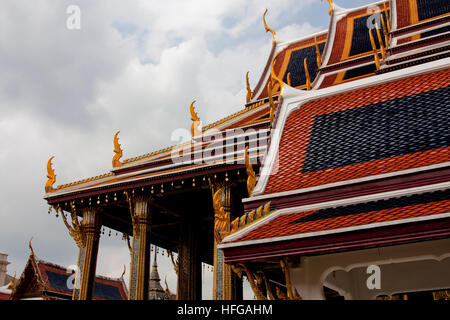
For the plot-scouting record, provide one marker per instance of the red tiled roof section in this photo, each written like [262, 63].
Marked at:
[293, 146]
[284, 226]
[403, 14]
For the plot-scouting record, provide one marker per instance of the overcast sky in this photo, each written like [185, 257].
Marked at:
[133, 66]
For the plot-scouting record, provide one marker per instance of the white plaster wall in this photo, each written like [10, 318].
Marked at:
[408, 267]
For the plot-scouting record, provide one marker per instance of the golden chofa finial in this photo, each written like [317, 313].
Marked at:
[249, 91]
[51, 176]
[118, 152]
[308, 79]
[268, 29]
[195, 121]
[251, 180]
[31, 247]
[330, 10]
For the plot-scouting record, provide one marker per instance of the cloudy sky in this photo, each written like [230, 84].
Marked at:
[133, 66]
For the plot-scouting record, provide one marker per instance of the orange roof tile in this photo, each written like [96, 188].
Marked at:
[306, 155]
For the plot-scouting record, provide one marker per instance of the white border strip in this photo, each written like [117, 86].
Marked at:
[346, 182]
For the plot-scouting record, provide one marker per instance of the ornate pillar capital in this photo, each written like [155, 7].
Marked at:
[141, 218]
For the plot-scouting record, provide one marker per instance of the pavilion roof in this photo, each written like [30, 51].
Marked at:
[54, 279]
[328, 218]
[383, 128]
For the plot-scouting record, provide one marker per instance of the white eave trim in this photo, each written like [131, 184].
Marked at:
[334, 231]
[340, 203]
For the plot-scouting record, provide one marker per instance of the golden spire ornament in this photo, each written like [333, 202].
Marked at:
[268, 29]
[118, 152]
[249, 91]
[195, 121]
[51, 176]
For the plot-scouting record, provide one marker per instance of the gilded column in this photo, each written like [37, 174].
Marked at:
[140, 257]
[87, 259]
[222, 279]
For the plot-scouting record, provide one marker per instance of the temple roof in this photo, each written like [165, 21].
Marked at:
[383, 128]
[181, 158]
[364, 137]
[41, 277]
[287, 224]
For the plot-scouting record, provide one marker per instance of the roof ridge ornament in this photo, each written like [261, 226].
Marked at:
[274, 77]
[249, 90]
[319, 56]
[118, 152]
[195, 120]
[50, 175]
[268, 29]
[31, 247]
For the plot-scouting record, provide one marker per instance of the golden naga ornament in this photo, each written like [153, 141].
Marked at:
[251, 180]
[268, 29]
[195, 121]
[76, 229]
[274, 77]
[272, 105]
[118, 152]
[249, 91]
[222, 219]
[51, 176]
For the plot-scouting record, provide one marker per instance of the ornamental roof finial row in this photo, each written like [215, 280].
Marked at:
[250, 217]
